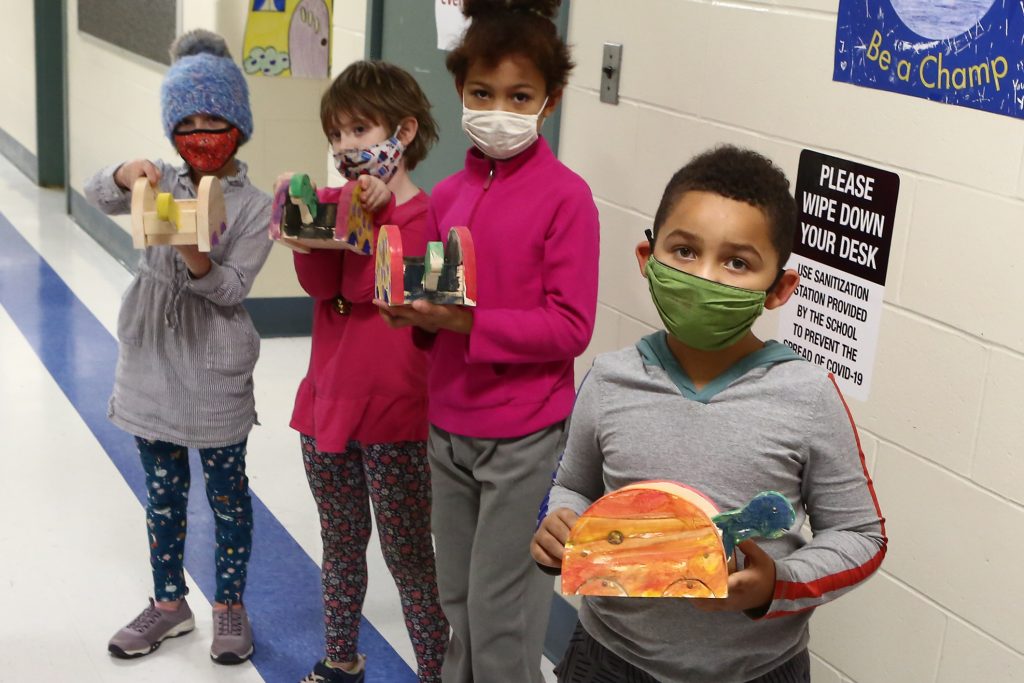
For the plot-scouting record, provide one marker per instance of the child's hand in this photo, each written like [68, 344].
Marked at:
[751, 588]
[548, 543]
[198, 263]
[428, 316]
[130, 171]
[282, 181]
[375, 194]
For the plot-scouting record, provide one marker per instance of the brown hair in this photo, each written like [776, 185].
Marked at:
[383, 94]
[502, 28]
[742, 175]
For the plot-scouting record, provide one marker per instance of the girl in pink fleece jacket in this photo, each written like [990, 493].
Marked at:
[362, 408]
[501, 374]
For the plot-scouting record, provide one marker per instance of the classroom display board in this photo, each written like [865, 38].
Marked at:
[841, 252]
[145, 27]
[968, 53]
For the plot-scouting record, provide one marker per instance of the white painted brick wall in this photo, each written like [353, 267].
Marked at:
[17, 80]
[942, 431]
[970, 655]
[855, 635]
[998, 464]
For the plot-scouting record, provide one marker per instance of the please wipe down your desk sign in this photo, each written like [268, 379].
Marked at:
[841, 251]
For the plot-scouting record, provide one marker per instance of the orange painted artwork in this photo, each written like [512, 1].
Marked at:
[663, 539]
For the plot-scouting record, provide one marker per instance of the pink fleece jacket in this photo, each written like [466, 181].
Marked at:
[535, 230]
[366, 382]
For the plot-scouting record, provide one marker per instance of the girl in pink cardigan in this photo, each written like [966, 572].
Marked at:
[501, 374]
[362, 408]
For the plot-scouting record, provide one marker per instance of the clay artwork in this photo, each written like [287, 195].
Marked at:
[445, 274]
[664, 539]
[160, 218]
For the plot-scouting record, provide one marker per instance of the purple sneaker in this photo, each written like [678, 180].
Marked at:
[146, 631]
[232, 636]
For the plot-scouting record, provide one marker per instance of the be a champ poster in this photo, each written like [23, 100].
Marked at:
[964, 52]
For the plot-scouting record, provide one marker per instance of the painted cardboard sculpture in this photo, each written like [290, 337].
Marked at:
[445, 274]
[663, 539]
[160, 218]
[300, 221]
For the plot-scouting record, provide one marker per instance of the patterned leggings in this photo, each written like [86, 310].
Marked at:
[227, 490]
[397, 478]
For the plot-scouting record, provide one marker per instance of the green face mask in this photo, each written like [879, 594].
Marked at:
[701, 313]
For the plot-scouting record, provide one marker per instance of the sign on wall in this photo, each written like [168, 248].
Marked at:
[968, 53]
[451, 24]
[841, 251]
[288, 38]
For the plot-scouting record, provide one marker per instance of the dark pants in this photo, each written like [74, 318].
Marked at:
[227, 490]
[587, 661]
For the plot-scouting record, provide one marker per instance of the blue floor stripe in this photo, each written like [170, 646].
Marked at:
[283, 594]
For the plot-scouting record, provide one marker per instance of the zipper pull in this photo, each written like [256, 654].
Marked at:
[490, 177]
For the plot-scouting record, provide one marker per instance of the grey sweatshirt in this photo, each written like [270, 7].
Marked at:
[187, 347]
[771, 422]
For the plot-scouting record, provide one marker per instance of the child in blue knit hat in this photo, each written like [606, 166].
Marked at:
[187, 348]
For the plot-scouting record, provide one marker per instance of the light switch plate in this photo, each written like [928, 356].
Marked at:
[611, 66]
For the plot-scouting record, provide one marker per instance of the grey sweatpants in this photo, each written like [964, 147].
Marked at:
[487, 493]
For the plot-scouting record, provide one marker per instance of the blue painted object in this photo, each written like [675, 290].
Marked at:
[767, 515]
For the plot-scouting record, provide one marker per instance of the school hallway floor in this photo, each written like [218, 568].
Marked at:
[74, 565]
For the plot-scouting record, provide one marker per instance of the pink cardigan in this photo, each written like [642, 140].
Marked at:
[536, 233]
[366, 381]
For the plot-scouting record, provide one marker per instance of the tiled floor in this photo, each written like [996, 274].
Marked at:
[73, 562]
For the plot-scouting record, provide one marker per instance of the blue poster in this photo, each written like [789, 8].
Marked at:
[964, 52]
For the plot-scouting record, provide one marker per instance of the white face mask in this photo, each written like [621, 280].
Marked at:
[500, 134]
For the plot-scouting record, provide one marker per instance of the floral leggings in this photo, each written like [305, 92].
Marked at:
[397, 478]
[227, 489]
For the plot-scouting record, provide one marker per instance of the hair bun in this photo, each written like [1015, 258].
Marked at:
[547, 9]
[199, 41]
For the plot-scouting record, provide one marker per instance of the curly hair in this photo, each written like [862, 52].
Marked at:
[503, 28]
[383, 94]
[743, 175]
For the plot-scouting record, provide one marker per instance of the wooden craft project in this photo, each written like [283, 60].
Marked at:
[663, 539]
[160, 218]
[300, 221]
[445, 274]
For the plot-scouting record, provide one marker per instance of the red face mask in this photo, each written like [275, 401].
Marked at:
[207, 150]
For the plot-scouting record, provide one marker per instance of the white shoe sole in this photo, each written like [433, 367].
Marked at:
[232, 657]
[181, 629]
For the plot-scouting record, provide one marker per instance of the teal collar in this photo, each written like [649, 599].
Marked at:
[655, 352]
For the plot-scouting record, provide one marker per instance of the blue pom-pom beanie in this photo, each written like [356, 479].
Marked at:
[203, 79]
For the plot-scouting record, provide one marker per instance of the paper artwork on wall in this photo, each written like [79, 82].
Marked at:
[288, 38]
[451, 23]
[969, 53]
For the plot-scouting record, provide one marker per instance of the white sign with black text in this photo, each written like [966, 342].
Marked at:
[841, 252]
[451, 24]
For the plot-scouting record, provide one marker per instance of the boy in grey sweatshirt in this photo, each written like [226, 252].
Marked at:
[710, 405]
